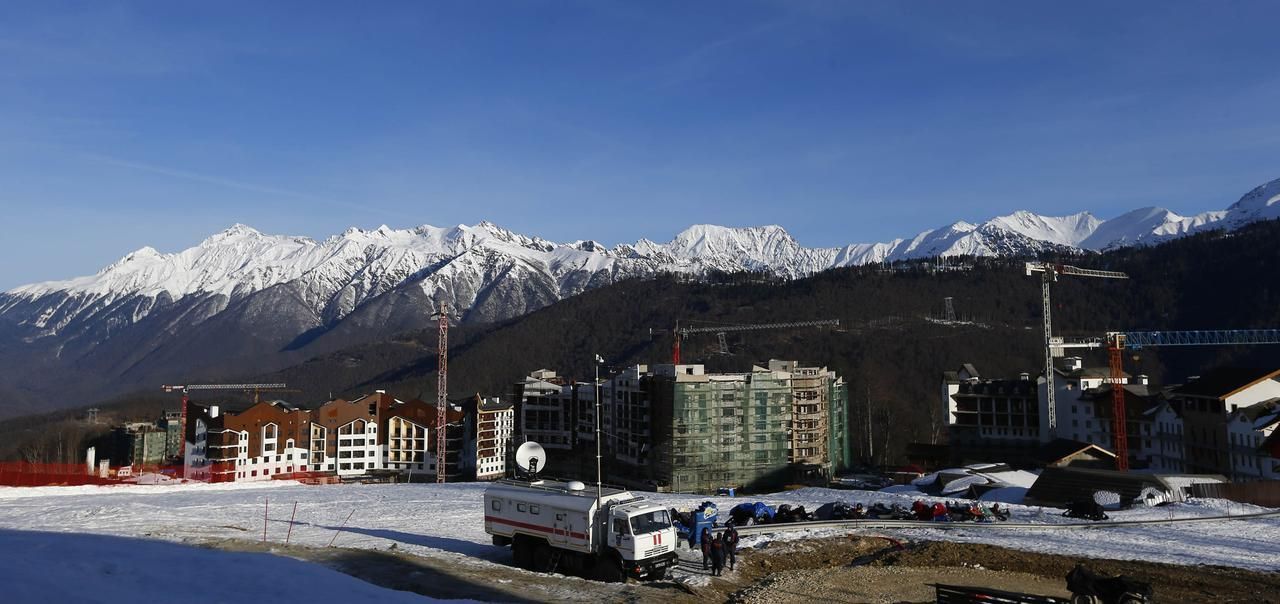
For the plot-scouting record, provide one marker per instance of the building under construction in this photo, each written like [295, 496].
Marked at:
[679, 427]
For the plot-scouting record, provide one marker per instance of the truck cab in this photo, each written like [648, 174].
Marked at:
[643, 536]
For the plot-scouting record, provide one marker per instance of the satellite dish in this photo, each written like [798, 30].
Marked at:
[577, 485]
[531, 458]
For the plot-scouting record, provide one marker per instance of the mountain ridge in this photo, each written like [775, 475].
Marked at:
[699, 247]
[246, 302]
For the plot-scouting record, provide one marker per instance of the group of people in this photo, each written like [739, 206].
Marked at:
[717, 550]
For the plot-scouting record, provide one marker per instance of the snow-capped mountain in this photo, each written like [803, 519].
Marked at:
[478, 269]
[241, 296]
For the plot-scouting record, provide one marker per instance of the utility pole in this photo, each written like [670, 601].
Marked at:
[871, 445]
[599, 478]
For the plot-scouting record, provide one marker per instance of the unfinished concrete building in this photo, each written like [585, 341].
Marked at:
[720, 430]
[627, 415]
[547, 415]
[813, 442]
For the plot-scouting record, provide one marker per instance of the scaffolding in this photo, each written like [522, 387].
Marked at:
[838, 427]
[726, 430]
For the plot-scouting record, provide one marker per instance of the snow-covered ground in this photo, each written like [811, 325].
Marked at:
[67, 567]
[446, 522]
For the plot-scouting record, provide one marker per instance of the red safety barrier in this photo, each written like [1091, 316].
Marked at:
[24, 474]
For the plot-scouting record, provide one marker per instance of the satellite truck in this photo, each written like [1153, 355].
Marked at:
[553, 526]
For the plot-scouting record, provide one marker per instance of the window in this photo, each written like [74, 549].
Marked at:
[653, 521]
[620, 527]
[533, 509]
[496, 505]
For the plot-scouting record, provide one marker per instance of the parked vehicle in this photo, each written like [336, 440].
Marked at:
[689, 525]
[558, 526]
[1088, 587]
[1089, 510]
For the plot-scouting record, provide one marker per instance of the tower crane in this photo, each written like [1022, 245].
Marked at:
[186, 389]
[442, 388]
[1117, 341]
[1049, 273]
[683, 332]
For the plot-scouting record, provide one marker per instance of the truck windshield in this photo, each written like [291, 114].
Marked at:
[650, 522]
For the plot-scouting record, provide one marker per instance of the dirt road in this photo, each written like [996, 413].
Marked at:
[843, 569]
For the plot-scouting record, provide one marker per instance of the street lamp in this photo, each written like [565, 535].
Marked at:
[599, 487]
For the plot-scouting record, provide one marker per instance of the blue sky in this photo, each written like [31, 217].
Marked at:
[159, 123]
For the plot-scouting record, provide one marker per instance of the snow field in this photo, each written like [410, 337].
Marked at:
[43, 567]
[446, 521]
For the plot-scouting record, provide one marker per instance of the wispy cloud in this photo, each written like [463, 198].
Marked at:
[702, 60]
[235, 184]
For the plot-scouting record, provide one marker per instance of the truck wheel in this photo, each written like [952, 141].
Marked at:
[609, 570]
[523, 551]
[501, 541]
[542, 558]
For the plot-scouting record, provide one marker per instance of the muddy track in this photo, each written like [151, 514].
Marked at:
[836, 569]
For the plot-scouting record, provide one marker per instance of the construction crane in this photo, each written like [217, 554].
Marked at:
[720, 331]
[1049, 273]
[1117, 341]
[442, 388]
[186, 389]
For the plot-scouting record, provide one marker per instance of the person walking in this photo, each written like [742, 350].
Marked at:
[705, 541]
[717, 555]
[731, 545]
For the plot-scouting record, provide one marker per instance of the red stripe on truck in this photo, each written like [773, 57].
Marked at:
[534, 527]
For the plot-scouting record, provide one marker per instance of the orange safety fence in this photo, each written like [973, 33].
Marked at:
[25, 474]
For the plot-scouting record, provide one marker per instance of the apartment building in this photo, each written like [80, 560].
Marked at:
[628, 415]
[1222, 421]
[1217, 423]
[1167, 452]
[489, 426]
[1004, 411]
[719, 430]
[1004, 416]
[547, 411]
[1248, 428]
[375, 434]
[811, 411]
[266, 440]
[1099, 403]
